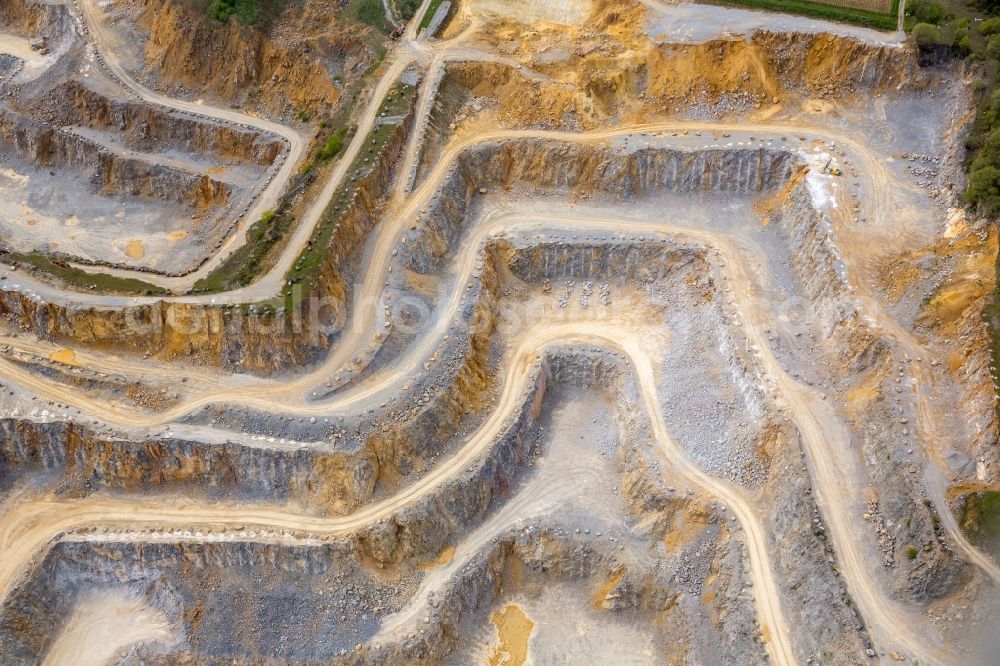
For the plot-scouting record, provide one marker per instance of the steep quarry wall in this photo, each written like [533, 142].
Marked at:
[320, 477]
[150, 128]
[777, 64]
[822, 63]
[620, 67]
[816, 262]
[301, 60]
[579, 170]
[33, 19]
[108, 172]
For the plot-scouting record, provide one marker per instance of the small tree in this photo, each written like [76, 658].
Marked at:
[984, 188]
[925, 35]
[925, 11]
[990, 26]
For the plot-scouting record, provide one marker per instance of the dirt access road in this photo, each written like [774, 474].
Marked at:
[829, 450]
[29, 528]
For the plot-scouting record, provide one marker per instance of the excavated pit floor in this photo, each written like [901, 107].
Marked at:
[580, 527]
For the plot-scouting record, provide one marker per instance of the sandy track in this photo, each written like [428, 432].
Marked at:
[28, 528]
[367, 317]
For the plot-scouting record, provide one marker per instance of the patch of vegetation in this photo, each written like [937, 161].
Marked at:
[925, 11]
[248, 12]
[407, 8]
[370, 12]
[301, 278]
[332, 145]
[429, 14]
[911, 553]
[822, 11]
[926, 34]
[81, 279]
[981, 521]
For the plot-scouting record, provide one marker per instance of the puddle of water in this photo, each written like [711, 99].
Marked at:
[514, 632]
[67, 356]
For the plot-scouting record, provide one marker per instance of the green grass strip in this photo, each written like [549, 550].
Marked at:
[101, 282]
[300, 280]
[429, 14]
[818, 10]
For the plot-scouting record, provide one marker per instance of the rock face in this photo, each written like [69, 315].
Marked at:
[109, 173]
[300, 60]
[30, 19]
[143, 127]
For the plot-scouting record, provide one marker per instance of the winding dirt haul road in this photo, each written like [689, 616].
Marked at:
[28, 528]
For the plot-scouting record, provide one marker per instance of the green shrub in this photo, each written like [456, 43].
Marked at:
[962, 44]
[371, 12]
[984, 188]
[926, 34]
[990, 26]
[332, 145]
[407, 8]
[247, 12]
[911, 553]
[925, 11]
[267, 216]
